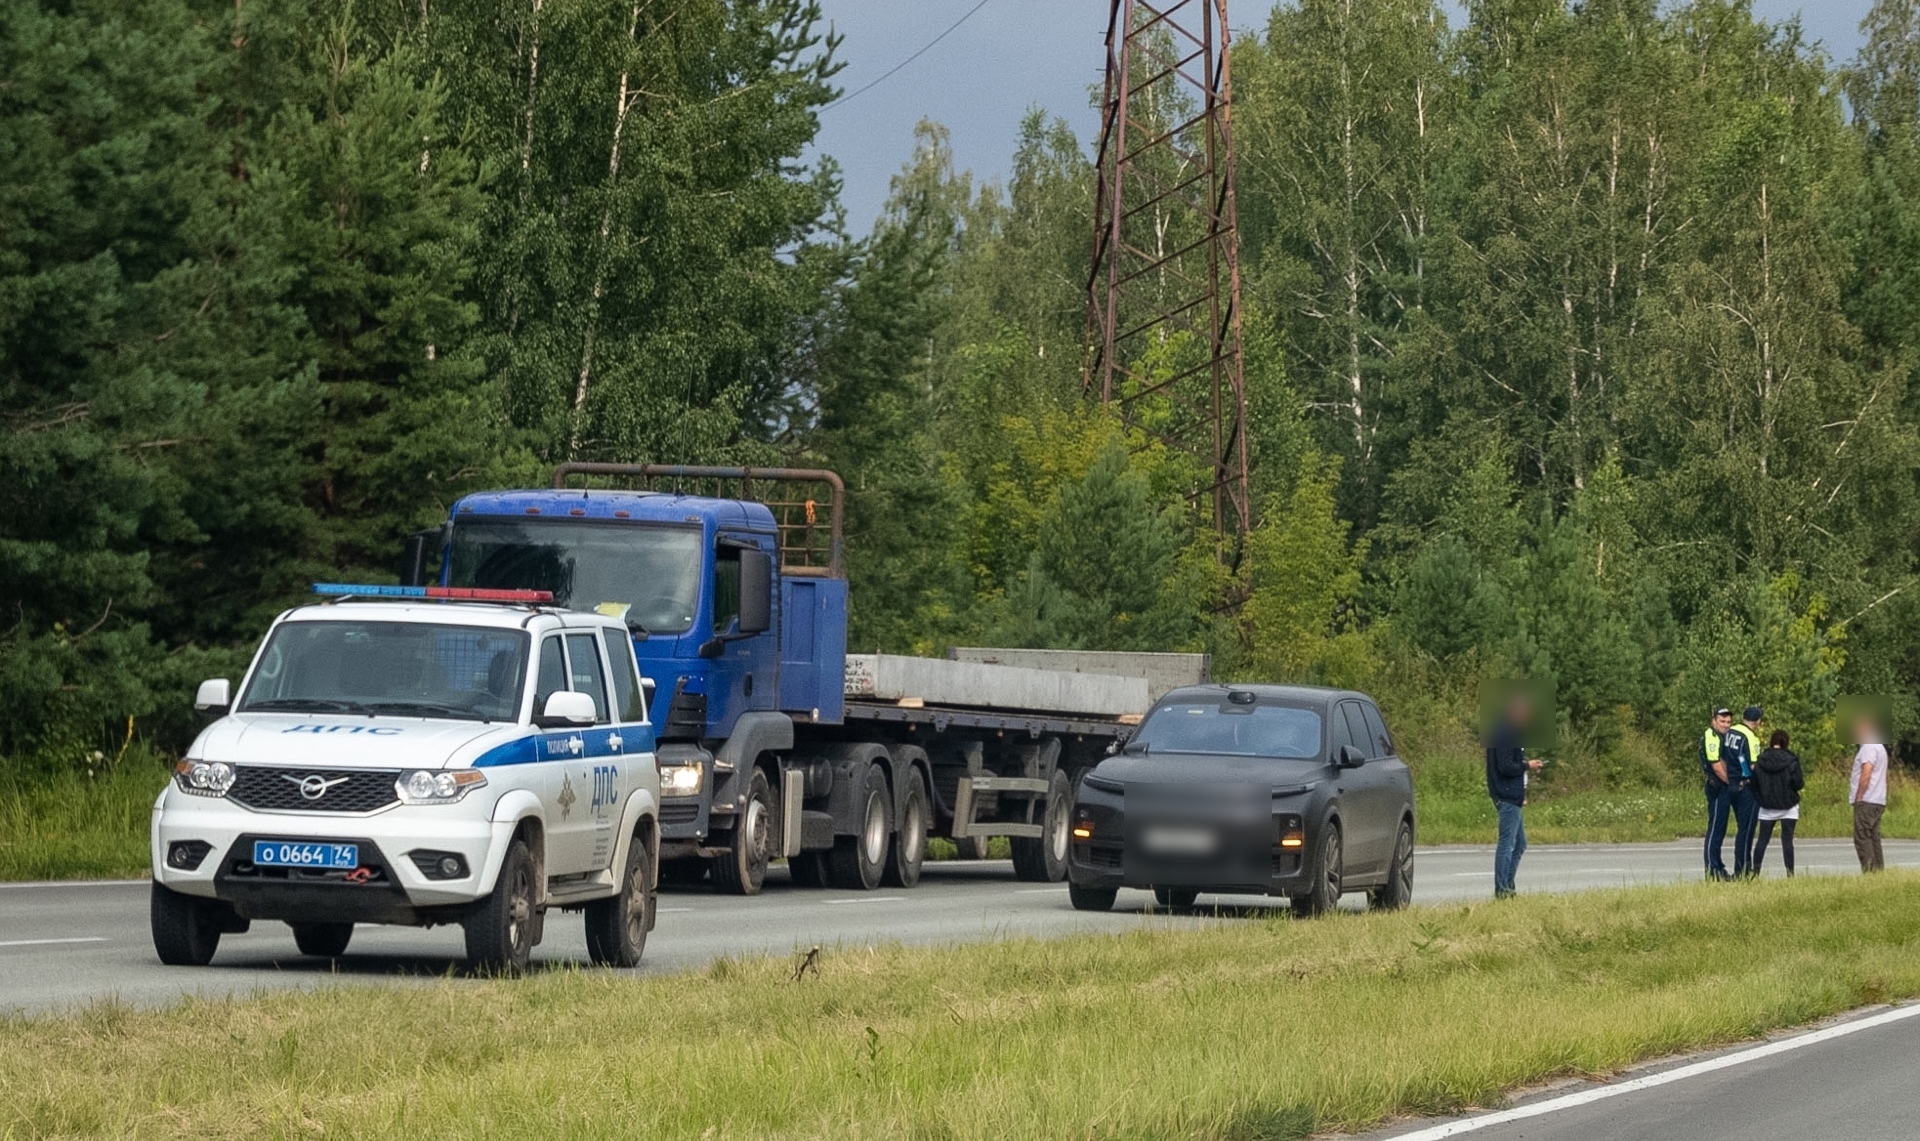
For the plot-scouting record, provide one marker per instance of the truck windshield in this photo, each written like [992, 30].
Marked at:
[404, 669]
[652, 571]
[1284, 731]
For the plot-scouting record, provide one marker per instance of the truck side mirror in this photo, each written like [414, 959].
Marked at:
[418, 555]
[565, 709]
[215, 696]
[756, 592]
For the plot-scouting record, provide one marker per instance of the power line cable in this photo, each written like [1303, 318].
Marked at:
[916, 55]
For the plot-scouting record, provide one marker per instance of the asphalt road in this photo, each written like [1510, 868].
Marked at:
[66, 944]
[1858, 1086]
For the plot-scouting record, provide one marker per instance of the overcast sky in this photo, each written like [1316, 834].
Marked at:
[1015, 54]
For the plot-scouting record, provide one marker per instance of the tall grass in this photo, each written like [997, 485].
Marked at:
[70, 823]
[1268, 1028]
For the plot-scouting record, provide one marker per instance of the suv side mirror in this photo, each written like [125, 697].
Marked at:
[214, 696]
[1350, 757]
[756, 592]
[565, 709]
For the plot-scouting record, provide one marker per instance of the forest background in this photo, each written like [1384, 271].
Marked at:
[1580, 346]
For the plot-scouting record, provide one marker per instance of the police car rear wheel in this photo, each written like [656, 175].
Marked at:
[500, 931]
[322, 940]
[617, 927]
[185, 933]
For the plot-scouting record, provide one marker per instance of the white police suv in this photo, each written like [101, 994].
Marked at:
[417, 755]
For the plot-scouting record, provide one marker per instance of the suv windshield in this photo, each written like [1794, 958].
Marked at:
[1284, 731]
[404, 669]
[653, 571]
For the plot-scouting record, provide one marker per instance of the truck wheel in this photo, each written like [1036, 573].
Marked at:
[809, 869]
[185, 933]
[859, 861]
[910, 839]
[322, 940]
[617, 926]
[1092, 898]
[972, 847]
[1397, 892]
[500, 930]
[1178, 898]
[743, 867]
[1044, 860]
[1324, 896]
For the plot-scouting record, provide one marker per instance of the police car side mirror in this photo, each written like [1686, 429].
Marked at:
[214, 697]
[566, 708]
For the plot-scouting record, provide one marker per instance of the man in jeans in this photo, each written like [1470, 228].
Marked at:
[1507, 770]
[1869, 795]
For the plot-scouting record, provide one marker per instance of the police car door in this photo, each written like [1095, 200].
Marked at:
[580, 751]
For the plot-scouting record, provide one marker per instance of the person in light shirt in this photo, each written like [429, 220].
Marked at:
[1868, 791]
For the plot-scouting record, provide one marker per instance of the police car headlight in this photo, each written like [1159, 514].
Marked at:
[426, 786]
[203, 778]
[680, 780]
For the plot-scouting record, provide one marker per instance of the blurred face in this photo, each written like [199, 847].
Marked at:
[1865, 731]
[1723, 722]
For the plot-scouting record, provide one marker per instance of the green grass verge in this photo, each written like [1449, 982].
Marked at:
[1267, 1028]
[68, 825]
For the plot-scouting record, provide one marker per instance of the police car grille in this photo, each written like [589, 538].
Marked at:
[279, 790]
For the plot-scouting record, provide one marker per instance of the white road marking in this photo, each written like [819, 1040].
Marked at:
[669, 910]
[1665, 1077]
[73, 883]
[1040, 890]
[868, 899]
[1463, 875]
[52, 942]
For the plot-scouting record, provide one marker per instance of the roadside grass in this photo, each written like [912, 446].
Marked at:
[1251, 1028]
[67, 824]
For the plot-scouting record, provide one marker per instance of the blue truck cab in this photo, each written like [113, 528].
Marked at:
[718, 627]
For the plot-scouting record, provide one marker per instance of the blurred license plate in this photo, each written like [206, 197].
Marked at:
[1179, 841]
[305, 854]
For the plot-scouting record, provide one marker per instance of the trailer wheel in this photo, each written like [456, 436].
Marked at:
[1044, 859]
[859, 861]
[743, 867]
[808, 869]
[910, 839]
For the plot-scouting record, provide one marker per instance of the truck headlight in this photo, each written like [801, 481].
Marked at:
[443, 786]
[203, 778]
[680, 780]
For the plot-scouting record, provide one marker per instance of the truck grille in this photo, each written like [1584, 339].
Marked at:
[679, 811]
[270, 789]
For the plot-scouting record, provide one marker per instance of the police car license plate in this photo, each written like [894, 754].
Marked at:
[305, 854]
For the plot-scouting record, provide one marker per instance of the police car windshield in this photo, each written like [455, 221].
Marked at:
[402, 669]
[653, 571]
[1217, 729]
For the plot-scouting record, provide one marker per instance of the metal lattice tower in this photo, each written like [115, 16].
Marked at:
[1163, 296]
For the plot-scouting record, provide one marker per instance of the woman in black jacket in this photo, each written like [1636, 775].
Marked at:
[1777, 782]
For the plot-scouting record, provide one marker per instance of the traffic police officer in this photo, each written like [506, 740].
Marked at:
[1739, 750]
[1713, 771]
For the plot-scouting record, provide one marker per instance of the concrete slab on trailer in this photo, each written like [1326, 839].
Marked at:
[936, 681]
[1163, 671]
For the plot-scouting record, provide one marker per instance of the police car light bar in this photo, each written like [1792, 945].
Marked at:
[452, 593]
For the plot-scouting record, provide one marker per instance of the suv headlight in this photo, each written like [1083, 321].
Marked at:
[203, 778]
[680, 780]
[437, 786]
